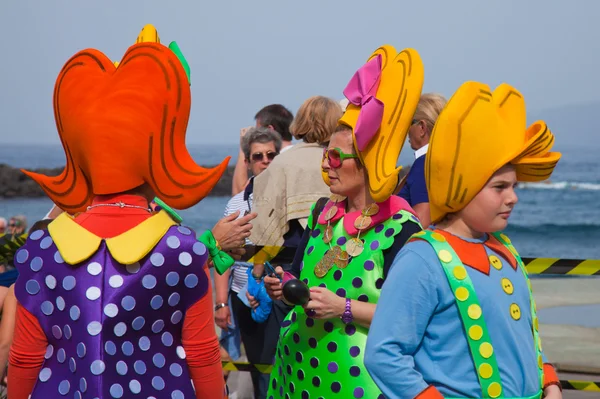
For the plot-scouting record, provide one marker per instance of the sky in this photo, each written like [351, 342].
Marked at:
[247, 54]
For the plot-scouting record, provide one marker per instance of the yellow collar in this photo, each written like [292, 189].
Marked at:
[77, 244]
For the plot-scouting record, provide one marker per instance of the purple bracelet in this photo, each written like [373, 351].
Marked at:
[347, 315]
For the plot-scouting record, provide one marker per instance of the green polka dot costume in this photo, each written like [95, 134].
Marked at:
[324, 358]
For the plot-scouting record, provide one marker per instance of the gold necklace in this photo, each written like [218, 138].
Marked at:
[336, 256]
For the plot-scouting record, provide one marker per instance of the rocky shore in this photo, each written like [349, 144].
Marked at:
[15, 184]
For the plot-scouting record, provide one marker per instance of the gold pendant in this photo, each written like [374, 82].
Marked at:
[343, 260]
[328, 234]
[371, 210]
[355, 247]
[320, 269]
[331, 213]
[324, 265]
[337, 198]
[362, 222]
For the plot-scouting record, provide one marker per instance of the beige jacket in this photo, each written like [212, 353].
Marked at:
[286, 191]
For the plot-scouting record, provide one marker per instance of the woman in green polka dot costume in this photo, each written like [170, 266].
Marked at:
[343, 259]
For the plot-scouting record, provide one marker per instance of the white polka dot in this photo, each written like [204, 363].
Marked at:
[50, 281]
[173, 242]
[199, 248]
[116, 391]
[115, 281]
[69, 283]
[36, 264]
[185, 259]
[120, 329]
[92, 293]
[45, 374]
[36, 235]
[94, 268]
[135, 386]
[157, 259]
[58, 258]
[46, 242]
[94, 328]
[97, 367]
[133, 268]
[111, 310]
[180, 352]
[22, 255]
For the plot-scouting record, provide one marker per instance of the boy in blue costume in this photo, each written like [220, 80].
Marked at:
[456, 317]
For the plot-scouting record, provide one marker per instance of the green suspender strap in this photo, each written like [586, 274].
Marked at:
[478, 338]
[504, 240]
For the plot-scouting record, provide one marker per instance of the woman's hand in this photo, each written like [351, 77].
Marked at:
[324, 304]
[223, 318]
[231, 232]
[253, 302]
[552, 392]
[273, 284]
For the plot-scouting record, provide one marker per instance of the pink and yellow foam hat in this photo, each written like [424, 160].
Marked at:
[383, 96]
[476, 134]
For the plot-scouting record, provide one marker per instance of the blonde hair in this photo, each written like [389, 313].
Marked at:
[316, 120]
[429, 108]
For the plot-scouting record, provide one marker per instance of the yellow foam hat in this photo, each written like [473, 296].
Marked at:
[383, 97]
[477, 133]
[149, 34]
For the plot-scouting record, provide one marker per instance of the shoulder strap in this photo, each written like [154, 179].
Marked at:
[469, 309]
[504, 240]
[318, 208]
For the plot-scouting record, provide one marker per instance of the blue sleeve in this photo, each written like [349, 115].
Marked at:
[417, 186]
[408, 300]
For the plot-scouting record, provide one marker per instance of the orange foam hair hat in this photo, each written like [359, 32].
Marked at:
[124, 126]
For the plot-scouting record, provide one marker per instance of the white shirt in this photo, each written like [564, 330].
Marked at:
[238, 270]
[421, 151]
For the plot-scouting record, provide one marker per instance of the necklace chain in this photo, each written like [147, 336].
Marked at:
[120, 204]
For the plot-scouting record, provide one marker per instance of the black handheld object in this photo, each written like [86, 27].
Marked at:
[296, 292]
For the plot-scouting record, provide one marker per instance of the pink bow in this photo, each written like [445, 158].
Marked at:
[361, 92]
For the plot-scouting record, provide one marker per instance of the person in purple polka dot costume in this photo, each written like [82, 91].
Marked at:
[107, 292]
[320, 355]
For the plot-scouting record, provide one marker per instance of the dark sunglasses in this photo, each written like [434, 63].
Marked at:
[335, 157]
[259, 156]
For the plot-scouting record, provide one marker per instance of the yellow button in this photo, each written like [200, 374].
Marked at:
[505, 238]
[460, 272]
[462, 294]
[507, 286]
[494, 390]
[474, 311]
[495, 261]
[485, 370]
[419, 234]
[536, 324]
[539, 344]
[438, 237]
[475, 332]
[515, 311]
[486, 350]
[540, 362]
[445, 256]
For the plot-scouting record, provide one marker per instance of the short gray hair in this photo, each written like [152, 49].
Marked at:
[260, 135]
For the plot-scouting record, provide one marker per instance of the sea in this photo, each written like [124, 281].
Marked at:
[557, 219]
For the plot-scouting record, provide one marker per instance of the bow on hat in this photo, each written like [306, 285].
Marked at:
[361, 91]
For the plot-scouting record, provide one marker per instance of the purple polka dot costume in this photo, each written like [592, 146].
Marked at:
[114, 330]
[324, 358]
